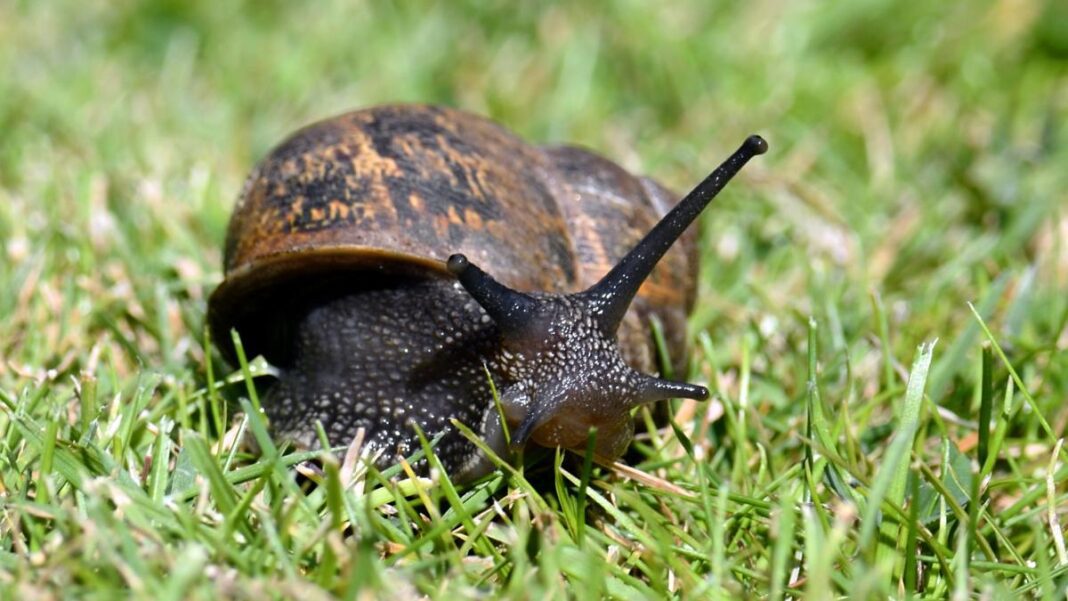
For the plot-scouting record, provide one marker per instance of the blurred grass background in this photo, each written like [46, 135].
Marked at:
[918, 163]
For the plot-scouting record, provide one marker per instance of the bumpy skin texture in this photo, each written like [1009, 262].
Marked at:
[407, 349]
[334, 266]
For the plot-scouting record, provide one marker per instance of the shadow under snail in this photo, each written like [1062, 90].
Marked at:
[390, 261]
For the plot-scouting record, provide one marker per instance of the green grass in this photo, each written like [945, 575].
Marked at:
[915, 192]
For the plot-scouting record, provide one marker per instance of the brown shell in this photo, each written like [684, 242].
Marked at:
[400, 188]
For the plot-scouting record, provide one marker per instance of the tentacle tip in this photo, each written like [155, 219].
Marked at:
[457, 264]
[756, 145]
[521, 435]
[700, 393]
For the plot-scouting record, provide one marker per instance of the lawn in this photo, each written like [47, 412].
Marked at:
[882, 314]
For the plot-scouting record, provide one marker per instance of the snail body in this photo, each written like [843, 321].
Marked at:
[377, 260]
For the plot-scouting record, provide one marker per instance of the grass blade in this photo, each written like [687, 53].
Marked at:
[892, 479]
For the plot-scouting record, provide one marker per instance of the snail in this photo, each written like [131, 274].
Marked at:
[400, 263]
